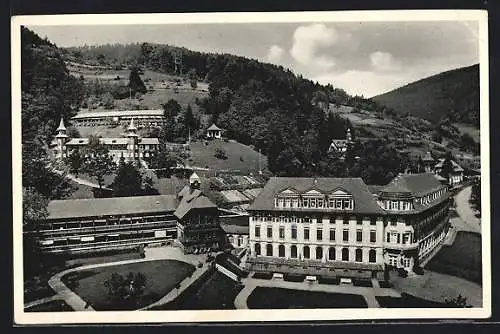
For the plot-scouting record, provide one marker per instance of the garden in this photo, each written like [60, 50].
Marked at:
[215, 293]
[407, 301]
[279, 298]
[106, 288]
[50, 306]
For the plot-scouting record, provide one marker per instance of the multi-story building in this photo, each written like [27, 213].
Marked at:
[115, 117]
[336, 227]
[131, 147]
[105, 223]
[198, 228]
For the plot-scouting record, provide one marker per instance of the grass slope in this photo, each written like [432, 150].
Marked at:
[239, 157]
[433, 97]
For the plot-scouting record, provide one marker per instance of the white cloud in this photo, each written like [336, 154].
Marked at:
[384, 61]
[307, 40]
[366, 83]
[275, 54]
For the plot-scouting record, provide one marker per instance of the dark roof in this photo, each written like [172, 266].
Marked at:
[413, 184]
[234, 224]
[93, 207]
[192, 200]
[214, 127]
[456, 166]
[364, 201]
[374, 188]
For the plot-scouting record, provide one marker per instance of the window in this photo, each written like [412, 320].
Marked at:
[359, 221]
[319, 234]
[347, 204]
[282, 232]
[305, 202]
[372, 256]
[319, 253]
[257, 249]
[306, 220]
[373, 221]
[359, 255]
[294, 233]
[338, 204]
[269, 232]
[394, 205]
[257, 231]
[293, 251]
[345, 254]
[359, 235]
[269, 250]
[306, 233]
[346, 220]
[331, 203]
[332, 235]
[331, 253]
[373, 236]
[320, 203]
[281, 251]
[306, 252]
[345, 235]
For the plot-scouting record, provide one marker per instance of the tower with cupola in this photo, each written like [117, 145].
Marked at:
[61, 139]
[133, 141]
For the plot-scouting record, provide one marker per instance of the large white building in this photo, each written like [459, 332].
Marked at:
[337, 227]
[145, 117]
[131, 147]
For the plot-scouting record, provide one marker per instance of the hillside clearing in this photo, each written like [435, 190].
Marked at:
[240, 157]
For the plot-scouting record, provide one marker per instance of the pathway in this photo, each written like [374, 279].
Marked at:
[470, 221]
[42, 301]
[368, 293]
[163, 253]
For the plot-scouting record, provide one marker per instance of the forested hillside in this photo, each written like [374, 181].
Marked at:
[258, 104]
[452, 95]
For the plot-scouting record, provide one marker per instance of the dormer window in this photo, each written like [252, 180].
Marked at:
[341, 200]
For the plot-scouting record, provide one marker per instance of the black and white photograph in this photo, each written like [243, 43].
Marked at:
[250, 167]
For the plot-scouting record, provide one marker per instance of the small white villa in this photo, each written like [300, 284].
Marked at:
[214, 132]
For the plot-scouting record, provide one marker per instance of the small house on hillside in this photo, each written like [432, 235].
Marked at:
[456, 175]
[428, 162]
[340, 145]
[214, 132]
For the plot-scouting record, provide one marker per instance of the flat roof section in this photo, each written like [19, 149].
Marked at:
[119, 113]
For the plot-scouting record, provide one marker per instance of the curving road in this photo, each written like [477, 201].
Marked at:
[469, 222]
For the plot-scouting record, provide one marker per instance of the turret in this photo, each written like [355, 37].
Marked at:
[61, 139]
[133, 139]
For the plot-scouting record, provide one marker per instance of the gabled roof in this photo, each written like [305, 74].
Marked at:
[192, 200]
[456, 166]
[94, 207]
[214, 127]
[363, 198]
[413, 184]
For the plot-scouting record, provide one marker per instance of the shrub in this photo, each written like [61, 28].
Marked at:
[418, 270]
[220, 154]
[402, 272]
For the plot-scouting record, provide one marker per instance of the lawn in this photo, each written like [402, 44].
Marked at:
[216, 293]
[279, 298]
[461, 259]
[161, 277]
[36, 287]
[407, 301]
[52, 306]
[239, 157]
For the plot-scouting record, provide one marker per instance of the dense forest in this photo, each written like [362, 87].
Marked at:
[264, 105]
[451, 95]
[48, 93]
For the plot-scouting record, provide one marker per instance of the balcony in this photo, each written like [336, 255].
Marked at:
[315, 263]
[106, 228]
[403, 246]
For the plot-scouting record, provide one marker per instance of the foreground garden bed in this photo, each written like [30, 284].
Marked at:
[407, 301]
[161, 277]
[51, 306]
[270, 298]
[217, 292]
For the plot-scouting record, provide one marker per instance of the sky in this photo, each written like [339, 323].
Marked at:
[363, 58]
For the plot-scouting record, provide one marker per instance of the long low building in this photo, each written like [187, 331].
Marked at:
[103, 223]
[146, 117]
[337, 227]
